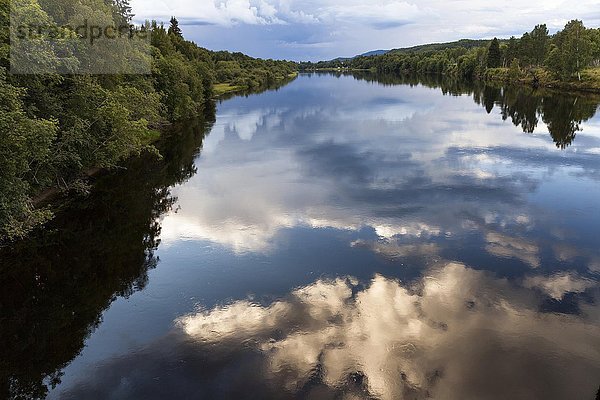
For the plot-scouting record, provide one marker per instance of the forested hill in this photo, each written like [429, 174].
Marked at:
[54, 127]
[568, 59]
[344, 62]
[463, 43]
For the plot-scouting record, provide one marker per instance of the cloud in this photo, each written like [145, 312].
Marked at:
[353, 26]
[384, 15]
[222, 12]
[513, 247]
[395, 250]
[559, 284]
[455, 333]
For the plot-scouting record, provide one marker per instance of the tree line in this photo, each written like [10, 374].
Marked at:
[54, 127]
[538, 54]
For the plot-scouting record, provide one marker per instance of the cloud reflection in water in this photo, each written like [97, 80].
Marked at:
[456, 333]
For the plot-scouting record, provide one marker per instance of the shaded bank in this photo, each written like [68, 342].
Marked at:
[57, 283]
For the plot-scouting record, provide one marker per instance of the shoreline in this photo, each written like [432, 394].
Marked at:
[221, 89]
[540, 78]
[48, 195]
[586, 86]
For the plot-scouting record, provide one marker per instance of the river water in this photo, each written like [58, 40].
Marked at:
[341, 237]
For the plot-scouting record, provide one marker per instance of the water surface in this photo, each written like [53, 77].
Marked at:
[341, 237]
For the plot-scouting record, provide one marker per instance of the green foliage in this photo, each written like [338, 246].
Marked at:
[573, 50]
[24, 145]
[514, 72]
[459, 44]
[497, 74]
[511, 51]
[494, 57]
[539, 44]
[174, 27]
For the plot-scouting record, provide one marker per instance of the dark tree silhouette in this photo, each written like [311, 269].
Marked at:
[494, 56]
[174, 28]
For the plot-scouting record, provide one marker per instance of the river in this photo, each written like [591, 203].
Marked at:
[344, 236]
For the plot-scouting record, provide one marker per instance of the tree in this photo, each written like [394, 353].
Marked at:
[524, 52]
[554, 60]
[595, 39]
[571, 51]
[494, 56]
[122, 11]
[514, 72]
[511, 51]
[174, 27]
[539, 44]
[577, 48]
[24, 146]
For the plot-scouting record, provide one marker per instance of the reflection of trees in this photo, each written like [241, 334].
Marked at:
[564, 114]
[524, 106]
[56, 285]
[521, 106]
[490, 94]
[273, 85]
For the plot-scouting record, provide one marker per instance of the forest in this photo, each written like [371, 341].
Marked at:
[567, 58]
[56, 128]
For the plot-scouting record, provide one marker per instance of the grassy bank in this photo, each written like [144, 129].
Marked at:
[590, 79]
[338, 69]
[220, 89]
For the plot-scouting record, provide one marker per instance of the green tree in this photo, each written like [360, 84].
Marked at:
[576, 48]
[511, 50]
[595, 39]
[525, 50]
[174, 28]
[554, 60]
[539, 44]
[494, 56]
[24, 147]
[572, 50]
[514, 72]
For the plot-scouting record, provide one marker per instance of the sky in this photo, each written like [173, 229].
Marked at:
[312, 30]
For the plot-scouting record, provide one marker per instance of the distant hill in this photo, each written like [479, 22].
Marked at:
[373, 53]
[466, 43]
[367, 54]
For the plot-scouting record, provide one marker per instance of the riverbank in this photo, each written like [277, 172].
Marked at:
[339, 70]
[539, 77]
[220, 89]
